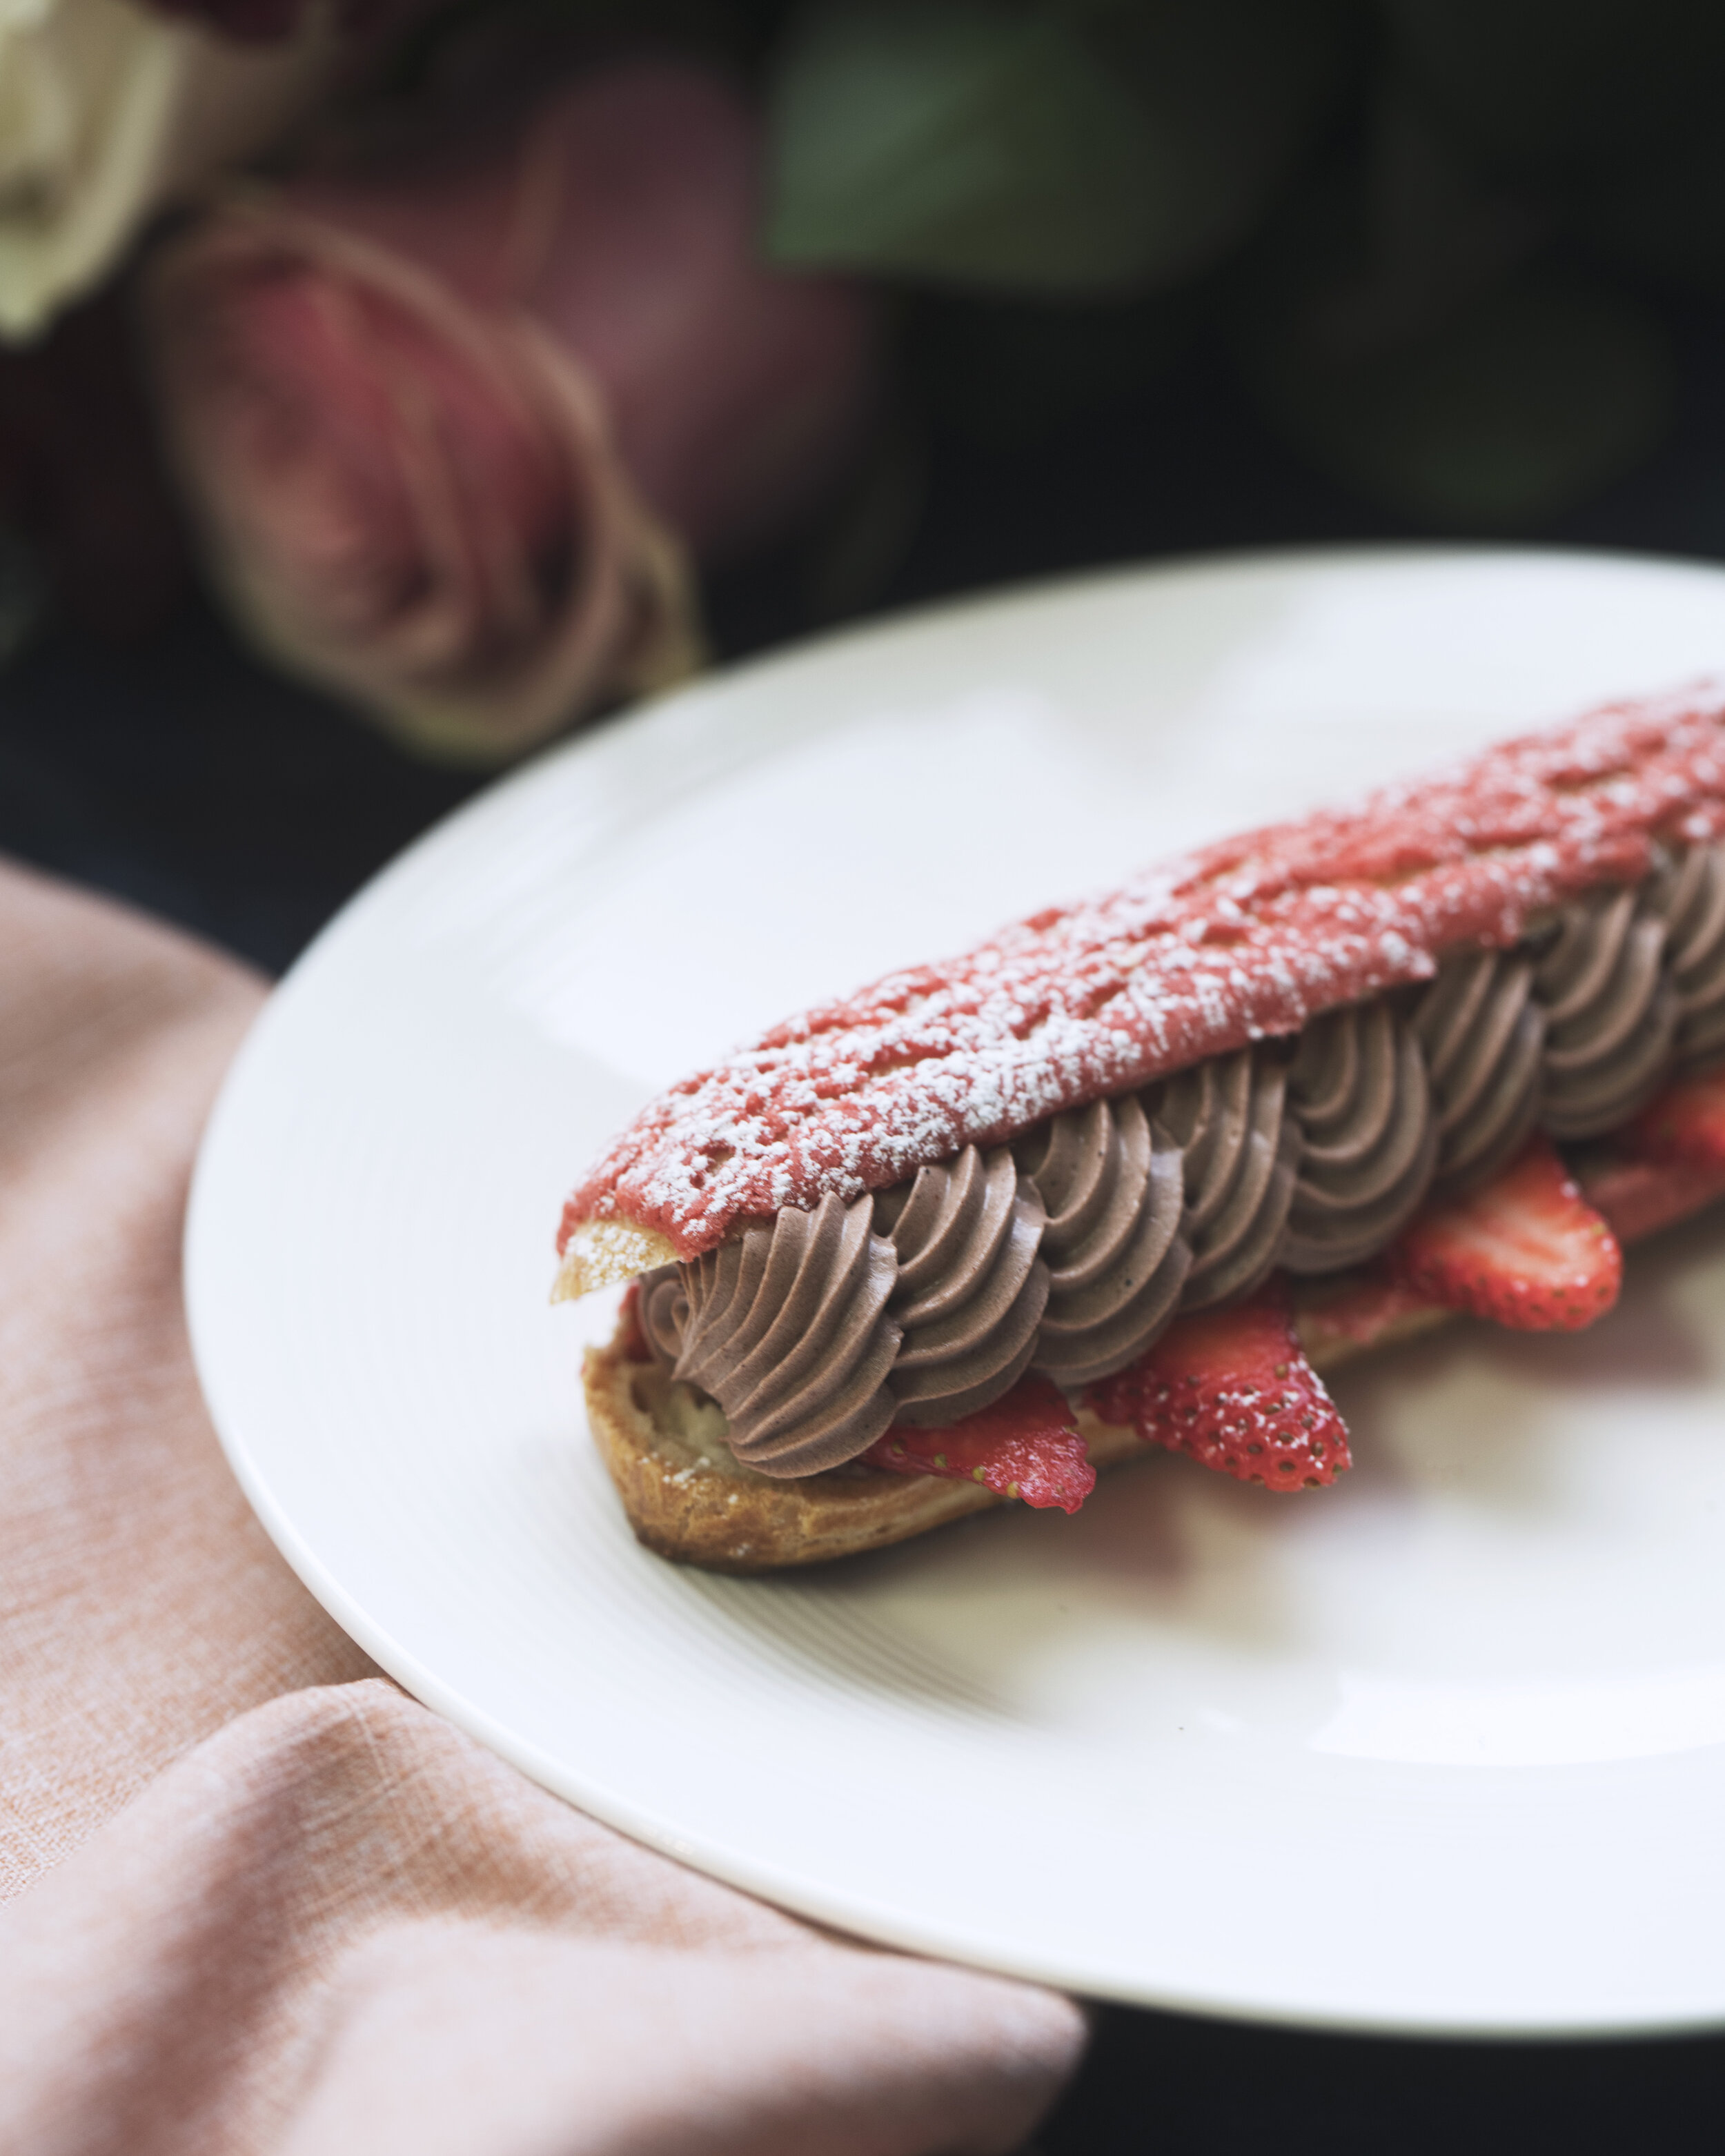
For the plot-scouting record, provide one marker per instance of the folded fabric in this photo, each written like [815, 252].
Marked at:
[260, 1900]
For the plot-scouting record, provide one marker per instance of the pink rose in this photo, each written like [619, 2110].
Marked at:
[448, 413]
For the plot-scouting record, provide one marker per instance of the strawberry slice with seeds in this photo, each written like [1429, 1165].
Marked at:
[1233, 1387]
[1684, 1127]
[1025, 1444]
[1527, 1250]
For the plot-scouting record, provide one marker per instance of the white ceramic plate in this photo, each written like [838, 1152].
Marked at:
[1443, 1748]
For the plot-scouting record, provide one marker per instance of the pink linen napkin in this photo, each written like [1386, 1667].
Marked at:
[260, 1900]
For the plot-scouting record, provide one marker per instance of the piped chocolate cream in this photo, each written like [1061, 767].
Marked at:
[1483, 1035]
[787, 1329]
[1610, 1014]
[1692, 899]
[1112, 1185]
[1070, 1251]
[971, 1287]
[1358, 1090]
[1240, 1156]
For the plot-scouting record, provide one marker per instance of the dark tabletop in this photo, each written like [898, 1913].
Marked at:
[179, 773]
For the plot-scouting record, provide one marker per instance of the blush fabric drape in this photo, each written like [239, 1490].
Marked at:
[256, 1899]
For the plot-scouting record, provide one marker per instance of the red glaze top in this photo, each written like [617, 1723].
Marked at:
[1247, 937]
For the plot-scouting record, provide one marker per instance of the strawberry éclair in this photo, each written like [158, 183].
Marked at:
[1113, 1162]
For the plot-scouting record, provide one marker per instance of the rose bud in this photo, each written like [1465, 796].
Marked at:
[450, 410]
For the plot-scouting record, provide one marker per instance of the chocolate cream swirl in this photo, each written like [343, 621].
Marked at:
[1368, 1139]
[1691, 897]
[1610, 1012]
[1240, 1156]
[1071, 1252]
[1483, 1035]
[815, 1334]
[1111, 1184]
[971, 1288]
[787, 1329]
[1571, 1030]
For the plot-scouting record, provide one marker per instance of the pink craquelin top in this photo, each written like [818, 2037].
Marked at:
[1248, 938]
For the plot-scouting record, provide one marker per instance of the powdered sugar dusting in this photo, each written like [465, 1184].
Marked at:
[1244, 939]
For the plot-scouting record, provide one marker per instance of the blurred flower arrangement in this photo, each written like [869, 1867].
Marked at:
[454, 341]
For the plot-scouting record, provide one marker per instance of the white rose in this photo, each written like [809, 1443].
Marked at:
[106, 113]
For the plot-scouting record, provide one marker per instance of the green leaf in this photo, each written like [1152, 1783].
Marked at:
[956, 139]
[1523, 402]
[1040, 148]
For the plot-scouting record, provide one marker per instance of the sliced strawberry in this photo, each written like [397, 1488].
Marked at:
[1026, 1444]
[1684, 1127]
[1640, 1197]
[1353, 1310]
[1663, 1164]
[1528, 1250]
[1234, 1389]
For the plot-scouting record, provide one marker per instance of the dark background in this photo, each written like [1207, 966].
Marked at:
[180, 774]
[176, 771]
